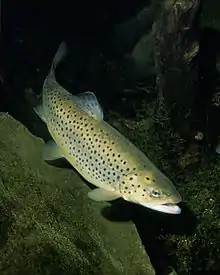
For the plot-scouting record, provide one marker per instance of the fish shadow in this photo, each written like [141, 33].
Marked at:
[153, 228]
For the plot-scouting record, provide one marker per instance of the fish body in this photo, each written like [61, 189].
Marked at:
[100, 153]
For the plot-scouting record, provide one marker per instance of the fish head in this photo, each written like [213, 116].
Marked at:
[153, 190]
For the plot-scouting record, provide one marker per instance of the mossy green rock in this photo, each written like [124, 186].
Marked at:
[47, 223]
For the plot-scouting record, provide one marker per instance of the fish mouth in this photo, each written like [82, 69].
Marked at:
[170, 208]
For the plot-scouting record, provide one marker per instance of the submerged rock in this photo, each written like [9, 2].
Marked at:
[47, 223]
[176, 47]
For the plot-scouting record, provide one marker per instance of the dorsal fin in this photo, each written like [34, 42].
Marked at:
[89, 103]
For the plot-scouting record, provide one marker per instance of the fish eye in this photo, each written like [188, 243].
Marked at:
[155, 193]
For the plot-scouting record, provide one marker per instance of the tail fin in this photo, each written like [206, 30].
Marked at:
[59, 56]
[218, 149]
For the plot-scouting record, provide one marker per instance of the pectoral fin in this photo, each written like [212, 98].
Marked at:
[103, 195]
[51, 151]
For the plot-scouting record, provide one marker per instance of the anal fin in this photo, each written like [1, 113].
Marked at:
[52, 151]
[40, 112]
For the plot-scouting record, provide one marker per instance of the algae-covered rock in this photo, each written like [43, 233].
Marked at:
[191, 240]
[47, 223]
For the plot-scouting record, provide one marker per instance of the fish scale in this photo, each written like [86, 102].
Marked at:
[89, 146]
[100, 153]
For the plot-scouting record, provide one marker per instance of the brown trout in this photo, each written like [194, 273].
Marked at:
[102, 155]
